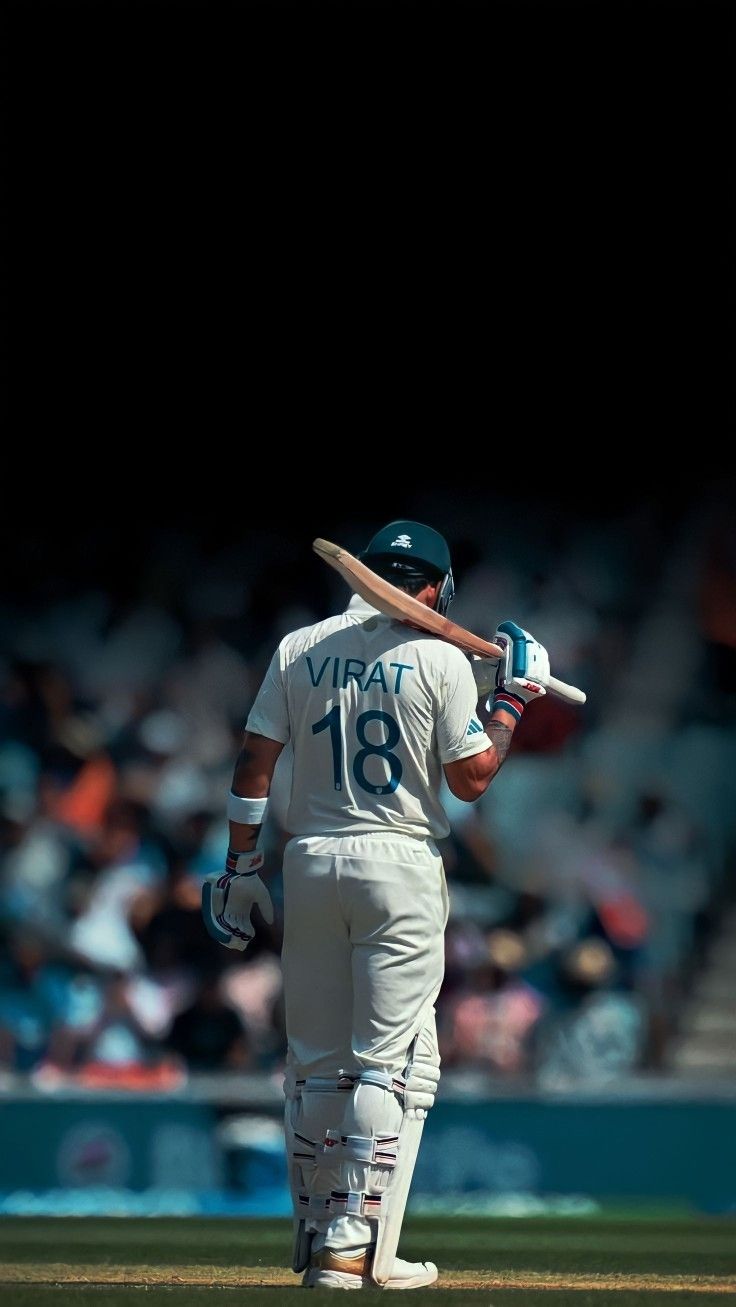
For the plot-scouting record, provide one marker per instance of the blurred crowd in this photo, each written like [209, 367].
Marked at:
[583, 886]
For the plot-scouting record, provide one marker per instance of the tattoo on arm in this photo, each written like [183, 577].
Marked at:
[500, 737]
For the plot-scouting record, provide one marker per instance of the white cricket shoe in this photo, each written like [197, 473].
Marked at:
[330, 1270]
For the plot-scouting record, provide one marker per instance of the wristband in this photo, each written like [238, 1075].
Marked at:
[255, 862]
[245, 812]
[511, 703]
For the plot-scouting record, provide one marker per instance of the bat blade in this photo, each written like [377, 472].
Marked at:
[392, 602]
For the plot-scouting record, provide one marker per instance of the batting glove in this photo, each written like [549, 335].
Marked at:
[229, 899]
[523, 671]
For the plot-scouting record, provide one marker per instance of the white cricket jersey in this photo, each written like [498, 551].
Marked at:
[372, 709]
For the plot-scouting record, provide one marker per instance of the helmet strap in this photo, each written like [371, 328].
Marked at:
[445, 594]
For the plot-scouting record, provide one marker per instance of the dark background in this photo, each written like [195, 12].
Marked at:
[277, 267]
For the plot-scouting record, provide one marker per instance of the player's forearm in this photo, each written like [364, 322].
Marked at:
[228, 899]
[252, 780]
[249, 781]
[499, 728]
[243, 839]
[469, 778]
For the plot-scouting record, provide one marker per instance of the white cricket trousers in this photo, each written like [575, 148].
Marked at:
[363, 950]
[363, 961]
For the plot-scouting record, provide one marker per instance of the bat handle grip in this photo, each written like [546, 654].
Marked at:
[569, 692]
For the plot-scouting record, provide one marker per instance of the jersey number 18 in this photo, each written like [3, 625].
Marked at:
[331, 722]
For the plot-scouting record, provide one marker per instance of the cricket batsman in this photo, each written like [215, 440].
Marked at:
[375, 712]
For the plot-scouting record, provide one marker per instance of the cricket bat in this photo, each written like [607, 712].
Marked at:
[392, 602]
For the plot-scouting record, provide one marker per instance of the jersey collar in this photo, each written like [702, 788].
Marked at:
[359, 605]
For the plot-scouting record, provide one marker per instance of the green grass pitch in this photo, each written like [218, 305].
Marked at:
[489, 1262]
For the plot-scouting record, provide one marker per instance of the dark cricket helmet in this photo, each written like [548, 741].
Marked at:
[407, 552]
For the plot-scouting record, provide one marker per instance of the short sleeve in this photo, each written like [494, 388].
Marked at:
[269, 714]
[459, 732]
